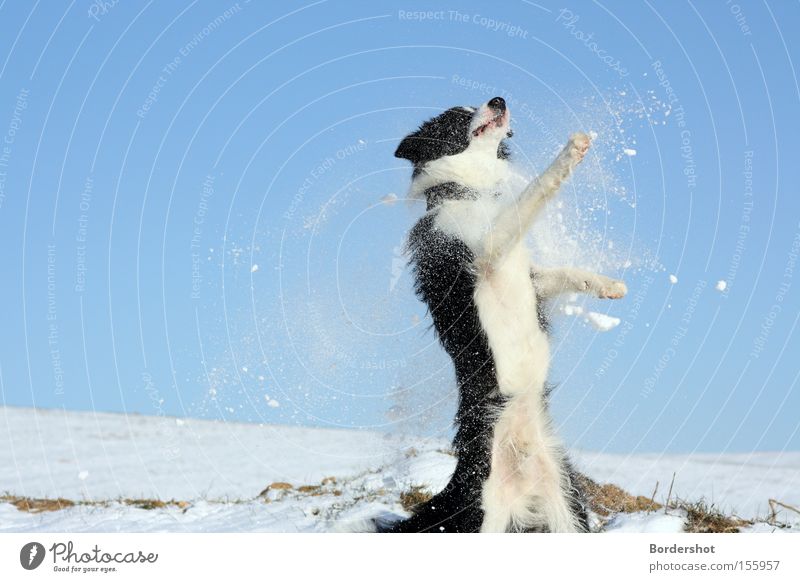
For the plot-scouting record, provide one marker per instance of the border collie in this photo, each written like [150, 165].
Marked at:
[473, 271]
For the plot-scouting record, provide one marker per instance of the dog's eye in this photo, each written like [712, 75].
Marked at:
[510, 133]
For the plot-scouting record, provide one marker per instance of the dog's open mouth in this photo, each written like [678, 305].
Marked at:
[497, 121]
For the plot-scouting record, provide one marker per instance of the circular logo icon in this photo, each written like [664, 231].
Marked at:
[31, 555]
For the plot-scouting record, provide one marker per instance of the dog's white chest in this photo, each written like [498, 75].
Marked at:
[472, 168]
[506, 303]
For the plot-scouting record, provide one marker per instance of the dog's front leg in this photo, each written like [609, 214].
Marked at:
[513, 222]
[552, 282]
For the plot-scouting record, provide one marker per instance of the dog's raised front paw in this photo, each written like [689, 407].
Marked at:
[578, 146]
[613, 290]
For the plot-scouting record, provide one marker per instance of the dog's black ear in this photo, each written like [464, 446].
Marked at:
[409, 148]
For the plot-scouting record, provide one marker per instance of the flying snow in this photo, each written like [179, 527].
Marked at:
[601, 321]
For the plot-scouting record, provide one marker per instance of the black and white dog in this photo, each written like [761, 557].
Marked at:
[473, 271]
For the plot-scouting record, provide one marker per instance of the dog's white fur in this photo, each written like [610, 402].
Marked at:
[527, 487]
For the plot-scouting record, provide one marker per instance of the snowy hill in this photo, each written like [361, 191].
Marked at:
[114, 472]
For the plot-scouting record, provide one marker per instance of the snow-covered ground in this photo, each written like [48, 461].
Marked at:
[217, 471]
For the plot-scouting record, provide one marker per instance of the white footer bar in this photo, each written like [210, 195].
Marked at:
[331, 557]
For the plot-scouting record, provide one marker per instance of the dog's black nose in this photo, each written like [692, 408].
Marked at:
[498, 103]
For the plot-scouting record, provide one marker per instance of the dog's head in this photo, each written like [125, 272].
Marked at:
[458, 129]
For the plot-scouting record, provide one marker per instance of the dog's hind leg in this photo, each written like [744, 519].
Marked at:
[511, 224]
[530, 486]
[552, 282]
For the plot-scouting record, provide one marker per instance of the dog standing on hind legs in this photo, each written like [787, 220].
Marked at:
[474, 273]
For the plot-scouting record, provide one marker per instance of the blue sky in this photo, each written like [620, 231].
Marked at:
[194, 222]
